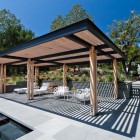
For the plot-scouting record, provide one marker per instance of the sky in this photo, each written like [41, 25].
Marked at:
[38, 15]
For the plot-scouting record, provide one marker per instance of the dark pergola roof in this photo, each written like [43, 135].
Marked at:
[69, 45]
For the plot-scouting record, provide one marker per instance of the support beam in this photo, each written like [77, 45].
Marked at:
[78, 40]
[4, 80]
[99, 34]
[77, 57]
[15, 57]
[64, 75]
[61, 54]
[47, 61]
[85, 43]
[115, 78]
[30, 79]
[37, 75]
[1, 78]
[16, 62]
[103, 53]
[93, 81]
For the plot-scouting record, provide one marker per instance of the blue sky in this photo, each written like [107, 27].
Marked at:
[37, 15]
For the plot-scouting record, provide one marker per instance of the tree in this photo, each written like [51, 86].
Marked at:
[58, 23]
[77, 13]
[12, 32]
[126, 35]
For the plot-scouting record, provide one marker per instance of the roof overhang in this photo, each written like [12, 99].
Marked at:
[69, 45]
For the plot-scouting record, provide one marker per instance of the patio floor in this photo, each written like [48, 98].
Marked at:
[118, 116]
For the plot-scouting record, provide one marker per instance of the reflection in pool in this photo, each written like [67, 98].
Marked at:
[11, 130]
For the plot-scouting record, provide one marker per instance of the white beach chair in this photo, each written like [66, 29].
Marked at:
[23, 90]
[20, 90]
[43, 89]
[61, 91]
[83, 94]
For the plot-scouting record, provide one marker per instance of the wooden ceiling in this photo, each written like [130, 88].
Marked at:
[69, 45]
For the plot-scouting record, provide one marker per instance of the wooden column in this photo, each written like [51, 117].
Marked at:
[93, 81]
[1, 78]
[64, 75]
[30, 79]
[115, 78]
[37, 75]
[4, 80]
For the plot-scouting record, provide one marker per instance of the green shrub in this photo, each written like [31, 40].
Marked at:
[15, 78]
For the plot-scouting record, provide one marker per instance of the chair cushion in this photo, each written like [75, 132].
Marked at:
[45, 86]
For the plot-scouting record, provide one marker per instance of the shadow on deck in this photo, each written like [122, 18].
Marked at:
[117, 116]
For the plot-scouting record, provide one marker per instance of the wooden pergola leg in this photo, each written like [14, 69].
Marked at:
[4, 85]
[1, 78]
[93, 81]
[115, 78]
[30, 79]
[37, 75]
[64, 75]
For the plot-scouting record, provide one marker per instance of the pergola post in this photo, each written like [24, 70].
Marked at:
[115, 78]
[4, 84]
[30, 79]
[93, 81]
[64, 75]
[37, 75]
[1, 78]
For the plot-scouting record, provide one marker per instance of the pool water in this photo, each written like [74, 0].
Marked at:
[11, 130]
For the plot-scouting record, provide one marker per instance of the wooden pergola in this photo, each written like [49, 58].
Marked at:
[77, 44]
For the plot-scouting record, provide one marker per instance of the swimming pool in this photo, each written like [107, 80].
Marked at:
[10, 129]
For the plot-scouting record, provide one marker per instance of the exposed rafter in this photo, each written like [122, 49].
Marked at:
[88, 45]
[98, 33]
[14, 57]
[68, 43]
[106, 53]
[72, 57]
[78, 40]
[62, 53]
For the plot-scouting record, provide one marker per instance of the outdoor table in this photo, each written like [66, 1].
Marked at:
[71, 93]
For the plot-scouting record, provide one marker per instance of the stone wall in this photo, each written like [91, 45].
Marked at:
[21, 84]
[124, 90]
[105, 89]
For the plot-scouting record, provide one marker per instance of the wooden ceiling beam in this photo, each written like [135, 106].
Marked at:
[84, 62]
[15, 62]
[106, 53]
[88, 45]
[14, 57]
[62, 53]
[73, 57]
[85, 43]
